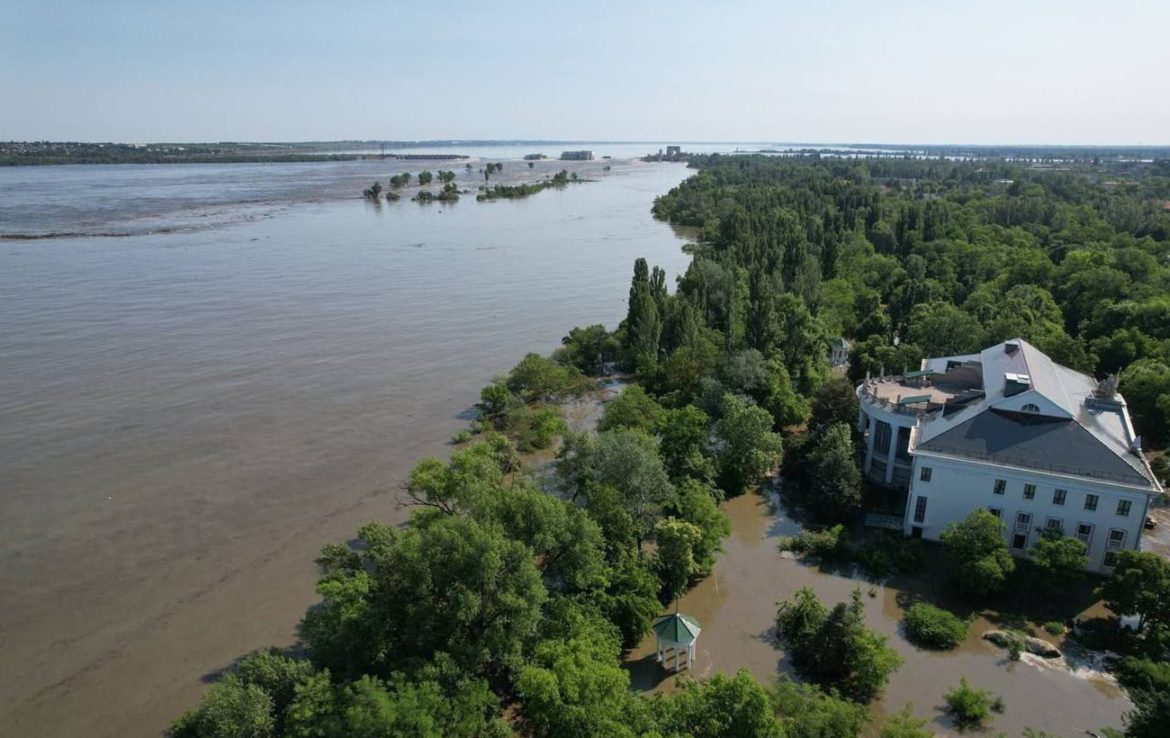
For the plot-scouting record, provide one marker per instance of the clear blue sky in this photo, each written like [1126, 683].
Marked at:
[935, 71]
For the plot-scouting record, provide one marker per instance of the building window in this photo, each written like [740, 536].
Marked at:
[920, 510]
[1058, 496]
[1055, 524]
[1123, 507]
[924, 475]
[997, 512]
[1090, 502]
[1110, 559]
[881, 437]
[1019, 540]
[1085, 533]
[1020, 536]
[1030, 408]
[1000, 486]
[1116, 540]
[1029, 491]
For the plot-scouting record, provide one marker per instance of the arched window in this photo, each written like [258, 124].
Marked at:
[1030, 408]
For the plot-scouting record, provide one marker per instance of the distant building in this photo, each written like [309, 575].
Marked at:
[582, 155]
[674, 150]
[839, 351]
[1010, 431]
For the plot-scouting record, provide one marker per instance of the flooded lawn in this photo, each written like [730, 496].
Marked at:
[736, 607]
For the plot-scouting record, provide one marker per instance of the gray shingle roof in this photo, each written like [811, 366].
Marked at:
[1035, 442]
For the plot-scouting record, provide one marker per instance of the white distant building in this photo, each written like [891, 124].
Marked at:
[1010, 431]
[839, 351]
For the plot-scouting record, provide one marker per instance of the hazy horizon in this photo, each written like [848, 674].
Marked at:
[1000, 73]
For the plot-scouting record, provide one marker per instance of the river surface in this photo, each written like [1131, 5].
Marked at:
[736, 609]
[188, 415]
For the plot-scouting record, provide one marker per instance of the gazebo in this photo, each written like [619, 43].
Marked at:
[676, 632]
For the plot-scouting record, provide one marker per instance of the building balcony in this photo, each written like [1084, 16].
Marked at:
[912, 394]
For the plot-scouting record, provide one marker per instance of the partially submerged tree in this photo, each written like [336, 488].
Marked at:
[978, 559]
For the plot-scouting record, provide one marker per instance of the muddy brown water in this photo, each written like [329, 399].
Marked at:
[736, 608]
[186, 418]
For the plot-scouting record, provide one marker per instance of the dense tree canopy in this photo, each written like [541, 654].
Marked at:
[978, 559]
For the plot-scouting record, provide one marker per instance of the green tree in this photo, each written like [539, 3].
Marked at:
[568, 544]
[576, 687]
[1140, 586]
[631, 600]
[1146, 386]
[719, 707]
[748, 448]
[538, 379]
[627, 460]
[978, 559]
[833, 478]
[834, 402]
[231, 709]
[697, 505]
[588, 349]
[942, 329]
[1058, 562]
[675, 557]
[494, 402]
[454, 585]
[633, 408]
[934, 627]
[903, 724]
[806, 710]
[969, 707]
[684, 440]
[833, 647]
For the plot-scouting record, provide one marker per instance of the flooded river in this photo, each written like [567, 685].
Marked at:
[736, 607]
[188, 415]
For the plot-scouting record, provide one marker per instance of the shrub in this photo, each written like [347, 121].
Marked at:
[462, 436]
[535, 429]
[934, 627]
[825, 544]
[969, 707]
[1015, 649]
[1054, 627]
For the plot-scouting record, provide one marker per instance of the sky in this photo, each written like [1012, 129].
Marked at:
[832, 71]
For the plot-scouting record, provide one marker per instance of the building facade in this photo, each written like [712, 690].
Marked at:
[1008, 430]
[582, 155]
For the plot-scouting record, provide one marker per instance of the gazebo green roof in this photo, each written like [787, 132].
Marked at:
[677, 628]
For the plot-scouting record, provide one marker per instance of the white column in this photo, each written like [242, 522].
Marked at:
[870, 437]
[893, 452]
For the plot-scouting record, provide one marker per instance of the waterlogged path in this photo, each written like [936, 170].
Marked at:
[736, 607]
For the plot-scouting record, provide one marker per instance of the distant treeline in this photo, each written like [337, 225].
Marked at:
[18, 153]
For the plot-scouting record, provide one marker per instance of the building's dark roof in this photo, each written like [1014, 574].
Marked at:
[1035, 442]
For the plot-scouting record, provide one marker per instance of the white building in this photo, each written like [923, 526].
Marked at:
[1011, 431]
[839, 351]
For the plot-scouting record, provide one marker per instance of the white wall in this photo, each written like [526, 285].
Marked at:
[958, 487]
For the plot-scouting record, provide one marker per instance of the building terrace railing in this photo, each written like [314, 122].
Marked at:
[910, 404]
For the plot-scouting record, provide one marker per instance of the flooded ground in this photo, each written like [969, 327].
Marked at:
[187, 417]
[736, 607]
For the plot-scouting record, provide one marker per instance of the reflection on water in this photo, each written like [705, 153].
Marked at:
[736, 607]
[188, 417]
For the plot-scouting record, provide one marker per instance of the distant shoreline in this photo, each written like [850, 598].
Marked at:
[42, 153]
